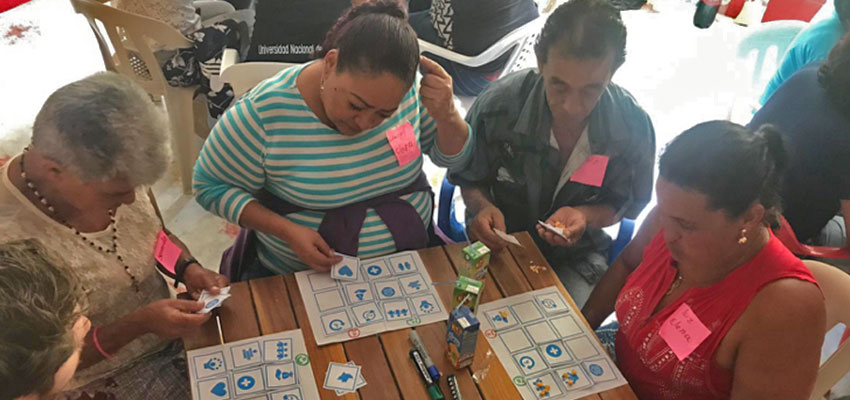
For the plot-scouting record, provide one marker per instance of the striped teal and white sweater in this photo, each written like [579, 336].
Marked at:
[271, 139]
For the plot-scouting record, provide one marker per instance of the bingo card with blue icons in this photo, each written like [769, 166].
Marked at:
[390, 292]
[271, 367]
[546, 349]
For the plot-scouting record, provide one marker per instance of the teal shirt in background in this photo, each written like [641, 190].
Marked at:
[812, 44]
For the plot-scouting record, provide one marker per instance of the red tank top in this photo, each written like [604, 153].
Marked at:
[651, 368]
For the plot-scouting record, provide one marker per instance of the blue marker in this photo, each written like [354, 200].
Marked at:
[417, 343]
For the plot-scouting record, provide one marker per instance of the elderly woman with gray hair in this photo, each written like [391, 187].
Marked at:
[80, 190]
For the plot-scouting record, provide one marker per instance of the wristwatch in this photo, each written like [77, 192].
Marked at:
[180, 270]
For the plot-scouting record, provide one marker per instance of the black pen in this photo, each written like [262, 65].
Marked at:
[432, 388]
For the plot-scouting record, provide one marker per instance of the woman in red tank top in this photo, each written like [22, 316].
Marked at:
[710, 304]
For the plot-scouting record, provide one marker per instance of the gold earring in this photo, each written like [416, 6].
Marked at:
[743, 238]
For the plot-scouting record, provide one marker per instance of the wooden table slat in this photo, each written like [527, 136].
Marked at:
[440, 270]
[271, 301]
[369, 355]
[238, 319]
[205, 336]
[434, 335]
[274, 304]
[530, 255]
[492, 379]
[397, 346]
[619, 393]
[507, 274]
[434, 338]
[319, 356]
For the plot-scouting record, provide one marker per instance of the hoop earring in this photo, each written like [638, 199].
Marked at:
[743, 238]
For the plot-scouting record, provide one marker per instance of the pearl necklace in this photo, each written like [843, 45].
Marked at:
[114, 248]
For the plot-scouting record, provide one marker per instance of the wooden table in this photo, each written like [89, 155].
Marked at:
[270, 305]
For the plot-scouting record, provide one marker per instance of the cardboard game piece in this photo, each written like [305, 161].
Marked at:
[461, 337]
[467, 292]
[476, 258]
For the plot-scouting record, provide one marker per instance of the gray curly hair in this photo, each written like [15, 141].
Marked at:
[104, 127]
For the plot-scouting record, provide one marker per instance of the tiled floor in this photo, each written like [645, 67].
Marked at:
[679, 74]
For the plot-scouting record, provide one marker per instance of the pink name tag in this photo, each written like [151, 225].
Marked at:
[403, 142]
[166, 252]
[592, 172]
[683, 332]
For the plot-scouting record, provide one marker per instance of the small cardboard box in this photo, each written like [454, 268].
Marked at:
[467, 293]
[461, 337]
[476, 259]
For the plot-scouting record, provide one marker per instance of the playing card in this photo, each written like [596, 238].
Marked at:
[360, 382]
[212, 302]
[347, 270]
[557, 231]
[206, 295]
[508, 238]
[341, 377]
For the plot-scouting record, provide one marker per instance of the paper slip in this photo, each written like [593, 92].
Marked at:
[212, 302]
[342, 377]
[166, 252]
[347, 270]
[683, 331]
[557, 231]
[592, 172]
[360, 383]
[508, 238]
[404, 143]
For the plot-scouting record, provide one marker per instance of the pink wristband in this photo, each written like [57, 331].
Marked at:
[97, 344]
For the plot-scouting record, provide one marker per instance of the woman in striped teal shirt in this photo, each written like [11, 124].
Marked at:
[339, 137]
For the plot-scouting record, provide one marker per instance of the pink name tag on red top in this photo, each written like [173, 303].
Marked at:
[403, 142]
[683, 332]
[166, 252]
[592, 172]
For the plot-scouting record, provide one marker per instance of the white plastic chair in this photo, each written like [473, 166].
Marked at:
[131, 37]
[242, 77]
[835, 285]
[778, 34]
[520, 44]
[212, 8]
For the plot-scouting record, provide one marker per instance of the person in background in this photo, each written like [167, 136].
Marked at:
[180, 14]
[469, 27]
[79, 189]
[810, 45]
[292, 31]
[43, 329]
[812, 110]
[561, 144]
[705, 259]
[328, 155]
[212, 26]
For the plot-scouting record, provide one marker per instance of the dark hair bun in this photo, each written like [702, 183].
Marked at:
[388, 7]
[377, 22]
[775, 146]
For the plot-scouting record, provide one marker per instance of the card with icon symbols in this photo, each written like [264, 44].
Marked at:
[276, 364]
